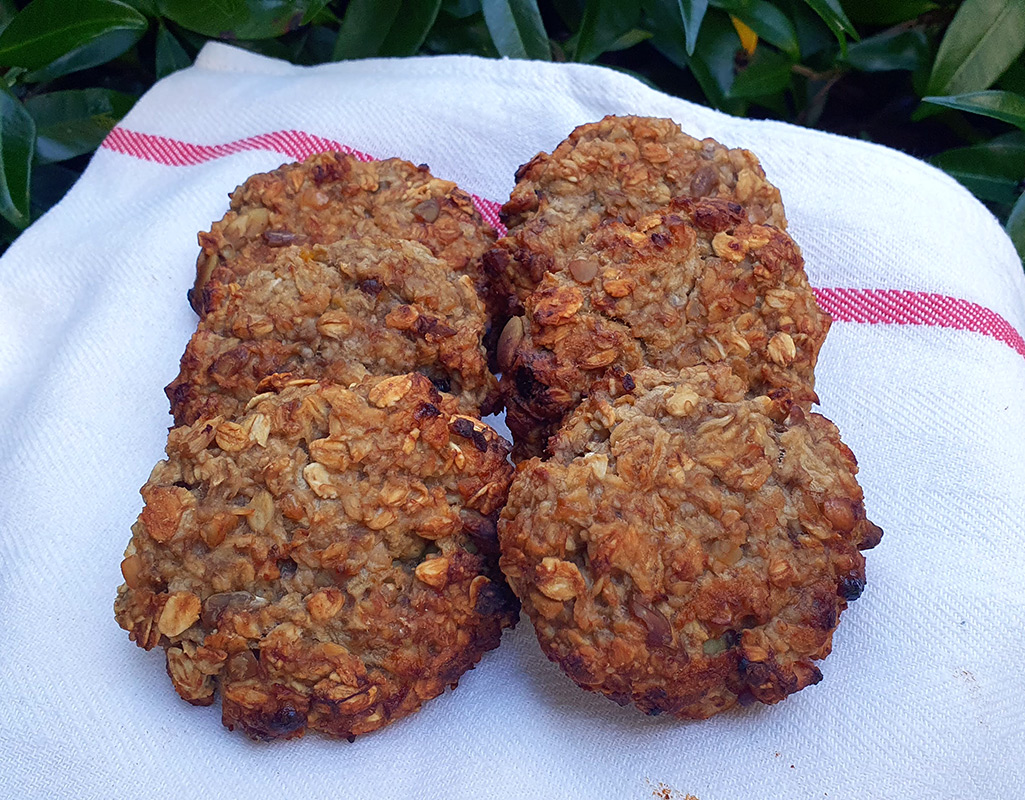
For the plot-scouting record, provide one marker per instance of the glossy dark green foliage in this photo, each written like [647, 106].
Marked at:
[240, 19]
[993, 170]
[889, 50]
[603, 24]
[170, 54]
[1004, 106]
[983, 39]
[767, 73]
[516, 28]
[51, 38]
[692, 14]
[1016, 225]
[714, 64]
[833, 15]
[385, 28]
[886, 12]
[17, 144]
[767, 21]
[73, 122]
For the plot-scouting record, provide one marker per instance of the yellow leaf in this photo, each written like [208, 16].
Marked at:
[748, 38]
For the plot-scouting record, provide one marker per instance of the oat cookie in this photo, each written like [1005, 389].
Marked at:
[686, 548]
[330, 197]
[619, 168]
[693, 284]
[325, 561]
[376, 305]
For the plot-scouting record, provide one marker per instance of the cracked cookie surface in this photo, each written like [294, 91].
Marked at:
[330, 197]
[618, 168]
[686, 548]
[325, 561]
[694, 284]
[374, 305]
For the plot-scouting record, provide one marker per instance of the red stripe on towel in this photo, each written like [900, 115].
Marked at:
[869, 306]
[896, 307]
[297, 145]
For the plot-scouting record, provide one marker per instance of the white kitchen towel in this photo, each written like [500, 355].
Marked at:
[924, 372]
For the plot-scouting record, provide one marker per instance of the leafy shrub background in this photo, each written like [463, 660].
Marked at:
[944, 81]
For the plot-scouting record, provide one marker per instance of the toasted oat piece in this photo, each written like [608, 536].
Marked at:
[619, 168]
[696, 284]
[376, 305]
[326, 561]
[686, 548]
[330, 197]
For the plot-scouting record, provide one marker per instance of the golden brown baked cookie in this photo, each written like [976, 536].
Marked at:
[375, 304]
[618, 168]
[686, 548]
[330, 197]
[695, 284]
[325, 561]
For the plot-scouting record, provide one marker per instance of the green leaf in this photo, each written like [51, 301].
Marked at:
[323, 18]
[466, 35]
[886, 12]
[833, 15]
[767, 73]
[1016, 226]
[17, 139]
[667, 31]
[171, 56]
[147, 7]
[768, 22]
[241, 19]
[991, 170]
[53, 38]
[461, 9]
[603, 23]
[1013, 79]
[1004, 106]
[384, 28]
[365, 28]
[813, 36]
[713, 61]
[628, 40]
[692, 13]
[983, 39]
[889, 50]
[7, 12]
[74, 122]
[516, 29]
[411, 27]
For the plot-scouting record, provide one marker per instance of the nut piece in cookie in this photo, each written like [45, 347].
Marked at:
[330, 197]
[326, 561]
[619, 168]
[694, 284]
[686, 548]
[336, 312]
